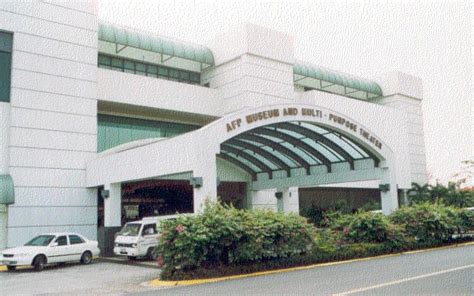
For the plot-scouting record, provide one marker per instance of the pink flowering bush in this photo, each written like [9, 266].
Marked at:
[223, 235]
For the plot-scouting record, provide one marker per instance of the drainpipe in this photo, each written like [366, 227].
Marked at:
[4, 166]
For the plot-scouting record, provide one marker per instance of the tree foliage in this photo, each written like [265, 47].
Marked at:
[450, 195]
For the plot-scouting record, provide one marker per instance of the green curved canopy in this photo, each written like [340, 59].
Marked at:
[126, 37]
[7, 192]
[346, 80]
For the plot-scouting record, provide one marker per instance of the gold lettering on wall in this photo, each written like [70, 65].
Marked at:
[331, 118]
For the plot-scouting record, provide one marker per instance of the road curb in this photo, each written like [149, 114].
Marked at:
[159, 283]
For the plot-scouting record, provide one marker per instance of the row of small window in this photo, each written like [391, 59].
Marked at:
[6, 42]
[130, 66]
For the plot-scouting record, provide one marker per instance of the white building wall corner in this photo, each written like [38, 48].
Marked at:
[53, 116]
[254, 67]
[405, 93]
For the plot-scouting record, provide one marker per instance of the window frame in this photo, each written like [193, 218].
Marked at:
[159, 71]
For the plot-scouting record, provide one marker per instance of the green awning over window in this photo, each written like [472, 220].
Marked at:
[302, 70]
[7, 192]
[126, 37]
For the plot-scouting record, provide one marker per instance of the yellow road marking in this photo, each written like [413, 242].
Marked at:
[414, 278]
[160, 283]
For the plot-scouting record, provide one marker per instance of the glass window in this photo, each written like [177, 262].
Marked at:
[174, 73]
[184, 75]
[6, 40]
[152, 70]
[41, 240]
[74, 240]
[163, 71]
[135, 67]
[117, 64]
[62, 240]
[105, 61]
[195, 77]
[129, 66]
[130, 229]
[149, 229]
[140, 68]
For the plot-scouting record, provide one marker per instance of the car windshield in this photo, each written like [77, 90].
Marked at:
[130, 229]
[41, 240]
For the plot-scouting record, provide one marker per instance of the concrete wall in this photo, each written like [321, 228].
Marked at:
[404, 93]
[253, 68]
[126, 88]
[53, 116]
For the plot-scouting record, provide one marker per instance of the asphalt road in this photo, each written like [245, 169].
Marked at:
[439, 272]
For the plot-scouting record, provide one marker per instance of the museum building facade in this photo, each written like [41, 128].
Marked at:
[102, 124]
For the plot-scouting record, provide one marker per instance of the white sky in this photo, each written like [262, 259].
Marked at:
[427, 39]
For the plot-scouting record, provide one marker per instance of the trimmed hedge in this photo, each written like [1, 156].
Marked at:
[223, 235]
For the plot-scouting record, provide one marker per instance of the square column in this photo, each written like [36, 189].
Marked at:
[263, 199]
[291, 201]
[113, 205]
[389, 190]
[207, 172]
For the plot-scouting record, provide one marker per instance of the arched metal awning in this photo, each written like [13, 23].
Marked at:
[289, 145]
[316, 77]
[167, 48]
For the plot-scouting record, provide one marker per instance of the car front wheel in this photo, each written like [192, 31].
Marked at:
[86, 258]
[39, 262]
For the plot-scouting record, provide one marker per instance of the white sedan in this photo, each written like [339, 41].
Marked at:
[51, 248]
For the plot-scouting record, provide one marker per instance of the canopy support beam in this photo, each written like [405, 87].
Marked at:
[238, 164]
[297, 143]
[278, 147]
[318, 138]
[119, 49]
[278, 162]
[250, 158]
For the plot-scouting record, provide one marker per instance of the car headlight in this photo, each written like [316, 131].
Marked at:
[116, 245]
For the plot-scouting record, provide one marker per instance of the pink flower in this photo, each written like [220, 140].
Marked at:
[180, 228]
[160, 261]
[346, 231]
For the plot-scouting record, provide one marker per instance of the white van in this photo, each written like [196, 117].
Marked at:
[139, 238]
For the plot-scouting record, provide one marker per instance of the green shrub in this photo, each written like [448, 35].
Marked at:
[466, 220]
[365, 227]
[223, 235]
[428, 223]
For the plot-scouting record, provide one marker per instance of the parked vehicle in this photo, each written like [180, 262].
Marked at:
[51, 248]
[139, 238]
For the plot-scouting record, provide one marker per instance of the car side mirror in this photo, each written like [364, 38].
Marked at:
[54, 244]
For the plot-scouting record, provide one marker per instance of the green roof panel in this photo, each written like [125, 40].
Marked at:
[320, 73]
[127, 37]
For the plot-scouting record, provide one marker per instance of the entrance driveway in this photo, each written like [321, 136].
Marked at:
[98, 278]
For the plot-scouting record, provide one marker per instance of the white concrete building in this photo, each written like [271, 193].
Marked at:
[101, 123]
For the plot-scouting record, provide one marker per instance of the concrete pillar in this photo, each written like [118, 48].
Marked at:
[291, 203]
[113, 205]
[207, 170]
[4, 167]
[263, 199]
[389, 198]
